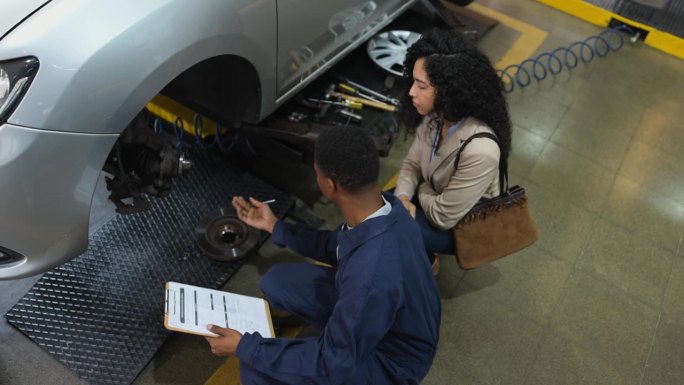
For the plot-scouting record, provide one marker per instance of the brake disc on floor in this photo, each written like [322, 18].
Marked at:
[221, 235]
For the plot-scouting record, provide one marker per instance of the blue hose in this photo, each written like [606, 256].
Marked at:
[178, 129]
[553, 62]
[198, 122]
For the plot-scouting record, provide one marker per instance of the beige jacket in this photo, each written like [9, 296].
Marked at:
[446, 196]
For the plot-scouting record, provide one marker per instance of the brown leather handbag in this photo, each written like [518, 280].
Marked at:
[496, 227]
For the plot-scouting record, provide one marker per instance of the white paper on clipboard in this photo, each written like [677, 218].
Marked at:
[189, 309]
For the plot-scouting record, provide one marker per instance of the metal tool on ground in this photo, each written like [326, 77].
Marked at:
[349, 89]
[224, 237]
[345, 103]
[376, 95]
[371, 103]
[348, 114]
[297, 116]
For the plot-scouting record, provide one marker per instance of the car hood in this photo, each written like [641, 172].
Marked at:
[15, 11]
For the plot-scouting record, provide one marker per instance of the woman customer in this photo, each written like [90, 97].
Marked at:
[458, 93]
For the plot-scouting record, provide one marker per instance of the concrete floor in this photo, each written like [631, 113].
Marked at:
[597, 300]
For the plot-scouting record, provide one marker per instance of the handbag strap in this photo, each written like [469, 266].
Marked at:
[503, 163]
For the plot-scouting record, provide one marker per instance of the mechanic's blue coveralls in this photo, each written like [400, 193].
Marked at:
[379, 310]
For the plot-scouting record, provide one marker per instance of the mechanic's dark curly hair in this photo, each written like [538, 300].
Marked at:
[348, 156]
[466, 82]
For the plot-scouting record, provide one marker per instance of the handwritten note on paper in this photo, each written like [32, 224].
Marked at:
[190, 309]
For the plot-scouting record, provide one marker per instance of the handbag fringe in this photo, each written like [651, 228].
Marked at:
[484, 210]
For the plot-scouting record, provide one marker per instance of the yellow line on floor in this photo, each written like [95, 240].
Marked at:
[229, 372]
[601, 17]
[530, 38]
[392, 183]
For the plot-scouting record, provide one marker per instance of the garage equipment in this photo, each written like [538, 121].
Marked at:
[101, 314]
[344, 103]
[350, 84]
[348, 114]
[224, 237]
[660, 23]
[350, 98]
[553, 62]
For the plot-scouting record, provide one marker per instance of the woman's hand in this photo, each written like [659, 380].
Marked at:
[227, 341]
[255, 213]
[409, 206]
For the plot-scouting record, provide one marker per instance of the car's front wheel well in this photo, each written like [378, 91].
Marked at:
[225, 88]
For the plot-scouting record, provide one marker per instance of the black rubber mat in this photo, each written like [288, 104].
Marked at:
[666, 15]
[101, 314]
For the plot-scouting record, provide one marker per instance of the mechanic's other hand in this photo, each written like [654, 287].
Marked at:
[227, 341]
[255, 213]
[408, 205]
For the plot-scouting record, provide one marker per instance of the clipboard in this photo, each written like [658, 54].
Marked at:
[188, 309]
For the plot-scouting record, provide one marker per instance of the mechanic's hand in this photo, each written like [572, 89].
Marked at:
[408, 205]
[227, 341]
[255, 213]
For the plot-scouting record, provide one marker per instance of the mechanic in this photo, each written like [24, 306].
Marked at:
[377, 306]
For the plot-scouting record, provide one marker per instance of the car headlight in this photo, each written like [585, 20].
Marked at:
[15, 79]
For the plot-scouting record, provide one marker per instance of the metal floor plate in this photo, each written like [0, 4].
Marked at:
[101, 314]
[666, 18]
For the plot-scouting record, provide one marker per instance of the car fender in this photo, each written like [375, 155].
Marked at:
[101, 62]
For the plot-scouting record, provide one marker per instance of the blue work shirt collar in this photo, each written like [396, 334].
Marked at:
[371, 227]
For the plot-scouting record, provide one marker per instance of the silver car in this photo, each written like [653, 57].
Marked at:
[75, 73]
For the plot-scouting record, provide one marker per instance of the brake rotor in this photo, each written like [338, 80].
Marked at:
[221, 235]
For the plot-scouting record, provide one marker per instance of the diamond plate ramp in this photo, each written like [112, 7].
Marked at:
[101, 314]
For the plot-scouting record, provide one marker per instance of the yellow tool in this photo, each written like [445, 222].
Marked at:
[346, 103]
[366, 102]
[356, 92]
[365, 92]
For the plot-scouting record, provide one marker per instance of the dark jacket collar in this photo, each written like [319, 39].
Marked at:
[349, 240]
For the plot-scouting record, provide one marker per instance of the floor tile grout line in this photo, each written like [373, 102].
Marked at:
[587, 347]
[660, 315]
[576, 270]
[592, 160]
[546, 328]
[633, 232]
[555, 195]
[546, 140]
[574, 152]
[504, 304]
[629, 295]
[600, 216]
[611, 172]
[650, 350]
[665, 194]
[631, 142]
[552, 254]
[601, 211]
[615, 171]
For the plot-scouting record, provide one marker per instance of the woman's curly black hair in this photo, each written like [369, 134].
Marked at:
[467, 84]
